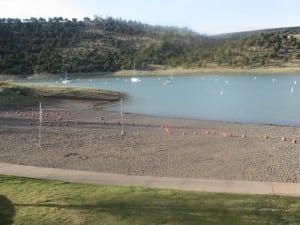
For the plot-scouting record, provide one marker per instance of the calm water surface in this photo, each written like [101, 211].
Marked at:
[237, 98]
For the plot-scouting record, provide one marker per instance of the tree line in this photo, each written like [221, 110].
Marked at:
[56, 45]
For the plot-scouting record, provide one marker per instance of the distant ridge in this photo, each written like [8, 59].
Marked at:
[57, 45]
[236, 35]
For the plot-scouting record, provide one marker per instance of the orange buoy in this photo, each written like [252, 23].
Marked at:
[226, 134]
[169, 131]
[266, 137]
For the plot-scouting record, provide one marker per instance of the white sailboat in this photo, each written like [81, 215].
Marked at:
[222, 92]
[169, 80]
[134, 79]
[66, 80]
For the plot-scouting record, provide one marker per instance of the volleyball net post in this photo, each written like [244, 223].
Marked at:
[122, 118]
[40, 124]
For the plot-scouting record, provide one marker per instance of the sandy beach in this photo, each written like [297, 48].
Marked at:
[88, 139]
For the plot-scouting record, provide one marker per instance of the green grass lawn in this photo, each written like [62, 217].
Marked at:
[32, 201]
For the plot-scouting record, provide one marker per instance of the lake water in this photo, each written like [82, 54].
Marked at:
[268, 99]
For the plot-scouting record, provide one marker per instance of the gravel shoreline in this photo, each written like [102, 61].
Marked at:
[91, 140]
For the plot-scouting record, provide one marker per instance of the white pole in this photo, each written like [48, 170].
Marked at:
[99, 113]
[134, 69]
[40, 125]
[122, 117]
[76, 118]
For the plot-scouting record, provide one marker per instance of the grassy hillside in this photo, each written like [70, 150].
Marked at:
[109, 45]
[274, 47]
[31, 201]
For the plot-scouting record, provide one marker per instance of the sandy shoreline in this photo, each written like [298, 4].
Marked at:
[195, 149]
[164, 70]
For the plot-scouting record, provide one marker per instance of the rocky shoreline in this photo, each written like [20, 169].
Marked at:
[89, 139]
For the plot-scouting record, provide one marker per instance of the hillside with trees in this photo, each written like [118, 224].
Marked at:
[56, 45]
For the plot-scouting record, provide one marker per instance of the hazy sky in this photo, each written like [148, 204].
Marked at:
[203, 16]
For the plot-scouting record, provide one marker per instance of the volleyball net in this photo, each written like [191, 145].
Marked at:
[46, 124]
[47, 121]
